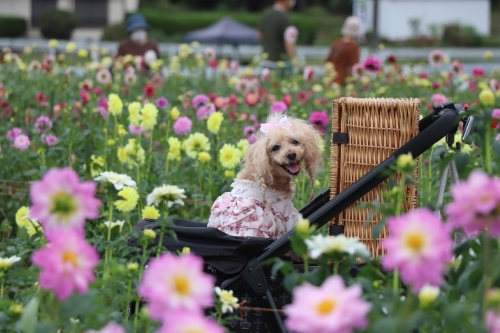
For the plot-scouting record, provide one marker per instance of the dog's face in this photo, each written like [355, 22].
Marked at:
[285, 153]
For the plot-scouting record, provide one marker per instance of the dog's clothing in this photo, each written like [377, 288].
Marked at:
[242, 212]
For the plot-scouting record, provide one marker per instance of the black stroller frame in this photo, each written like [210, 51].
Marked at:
[432, 128]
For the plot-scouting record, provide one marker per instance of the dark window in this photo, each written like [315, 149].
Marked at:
[92, 13]
[38, 8]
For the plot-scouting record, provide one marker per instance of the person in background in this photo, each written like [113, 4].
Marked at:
[137, 43]
[277, 35]
[344, 52]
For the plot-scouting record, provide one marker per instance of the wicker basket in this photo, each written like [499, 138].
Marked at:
[376, 127]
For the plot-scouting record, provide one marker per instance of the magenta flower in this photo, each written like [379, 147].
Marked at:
[495, 113]
[372, 65]
[419, 246]
[43, 124]
[182, 322]
[176, 283]
[494, 85]
[135, 129]
[478, 71]
[162, 103]
[330, 308]
[249, 130]
[474, 205]
[302, 97]
[436, 58]
[84, 96]
[320, 120]
[308, 73]
[279, 106]
[67, 263]
[102, 107]
[111, 327]
[252, 139]
[200, 100]
[49, 140]
[60, 200]
[22, 142]
[493, 321]
[205, 111]
[41, 99]
[182, 125]
[13, 133]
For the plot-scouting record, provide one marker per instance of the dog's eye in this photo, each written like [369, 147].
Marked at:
[276, 148]
[295, 142]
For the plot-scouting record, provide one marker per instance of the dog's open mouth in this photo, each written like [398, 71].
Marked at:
[292, 168]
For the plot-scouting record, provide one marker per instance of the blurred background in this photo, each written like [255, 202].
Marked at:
[388, 23]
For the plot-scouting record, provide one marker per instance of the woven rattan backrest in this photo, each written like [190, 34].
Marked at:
[376, 127]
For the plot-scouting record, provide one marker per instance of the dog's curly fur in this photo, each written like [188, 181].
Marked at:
[266, 160]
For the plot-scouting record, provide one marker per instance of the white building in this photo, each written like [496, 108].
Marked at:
[93, 14]
[401, 19]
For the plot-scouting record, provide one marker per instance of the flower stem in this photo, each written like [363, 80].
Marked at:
[1, 290]
[158, 250]
[486, 268]
[336, 267]
[306, 263]
[487, 150]
[395, 282]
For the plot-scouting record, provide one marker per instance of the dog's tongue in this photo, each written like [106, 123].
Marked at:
[293, 168]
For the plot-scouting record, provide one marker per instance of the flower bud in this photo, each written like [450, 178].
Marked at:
[16, 308]
[186, 250]
[493, 298]
[486, 97]
[132, 266]
[405, 162]
[303, 226]
[427, 295]
[149, 234]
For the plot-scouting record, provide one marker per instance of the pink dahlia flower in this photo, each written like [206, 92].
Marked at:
[478, 71]
[43, 124]
[251, 99]
[162, 103]
[67, 263]
[22, 142]
[372, 65]
[319, 120]
[49, 140]
[419, 246]
[176, 283]
[474, 205]
[493, 321]
[249, 130]
[265, 74]
[13, 133]
[457, 67]
[186, 322]
[494, 85]
[308, 73]
[182, 125]
[357, 70]
[135, 129]
[60, 200]
[436, 58]
[330, 308]
[205, 111]
[302, 97]
[200, 100]
[41, 99]
[438, 98]
[279, 106]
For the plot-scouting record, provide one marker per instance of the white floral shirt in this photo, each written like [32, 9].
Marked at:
[242, 212]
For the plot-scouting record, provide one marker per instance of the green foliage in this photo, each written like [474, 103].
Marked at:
[183, 22]
[114, 32]
[58, 24]
[12, 26]
[456, 34]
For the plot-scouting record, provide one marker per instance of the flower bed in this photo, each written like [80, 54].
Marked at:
[87, 152]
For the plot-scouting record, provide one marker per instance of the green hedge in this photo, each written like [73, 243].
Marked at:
[12, 26]
[58, 24]
[183, 22]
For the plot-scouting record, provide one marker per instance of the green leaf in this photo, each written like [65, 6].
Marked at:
[461, 160]
[291, 281]
[29, 318]
[496, 147]
[78, 305]
[298, 245]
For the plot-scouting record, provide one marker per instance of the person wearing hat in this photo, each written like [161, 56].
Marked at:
[137, 43]
[344, 52]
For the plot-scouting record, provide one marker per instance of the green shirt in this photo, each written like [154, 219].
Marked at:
[273, 26]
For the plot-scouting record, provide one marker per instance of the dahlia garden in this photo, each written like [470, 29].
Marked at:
[91, 146]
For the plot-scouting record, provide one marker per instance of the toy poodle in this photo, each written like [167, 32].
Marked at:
[260, 203]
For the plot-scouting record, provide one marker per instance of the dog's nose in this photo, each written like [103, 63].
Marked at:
[291, 156]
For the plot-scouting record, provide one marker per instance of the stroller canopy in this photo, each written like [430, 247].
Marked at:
[224, 31]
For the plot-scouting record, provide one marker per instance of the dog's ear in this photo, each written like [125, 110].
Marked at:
[256, 164]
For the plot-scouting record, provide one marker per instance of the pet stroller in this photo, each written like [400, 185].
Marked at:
[236, 261]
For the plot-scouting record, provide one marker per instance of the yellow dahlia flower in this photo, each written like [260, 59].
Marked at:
[229, 156]
[150, 212]
[115, 104]
[130, 196]
[214, 121]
